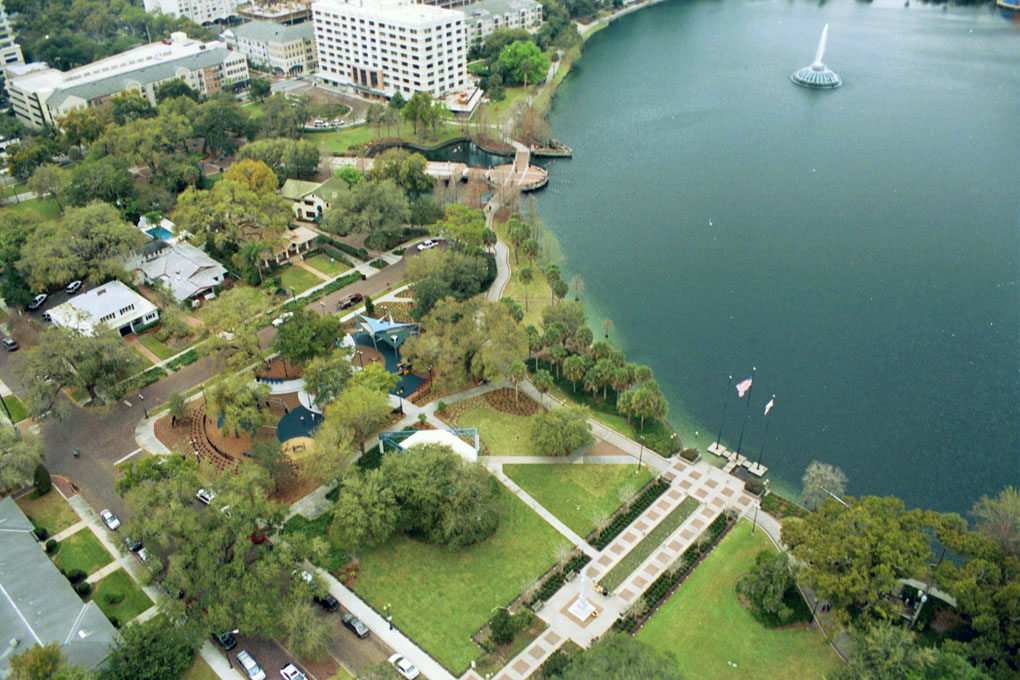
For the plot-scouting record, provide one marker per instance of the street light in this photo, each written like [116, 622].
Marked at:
[361, 358]
[641, 456]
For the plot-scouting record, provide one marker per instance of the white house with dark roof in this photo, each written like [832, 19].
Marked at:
[184, 270]
[289, 49]
[38, 606]
[112, 304]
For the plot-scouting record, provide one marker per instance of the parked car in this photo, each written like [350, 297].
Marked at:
[132, 544]
[226, 640]
[327, 602]
[37, 301]
[305, 576]
[348, 301]
[356, 625]
[205, 496]
[404, 667]
[73, 287]
[426, 245]
[9, 344]
[246, 662]
[291, 672]
[143, 555]
[282, 319]
[109, 519]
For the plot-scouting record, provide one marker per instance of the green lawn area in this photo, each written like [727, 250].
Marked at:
[581, 496]
[120, 584]
[441, 596]
[82, 550]
[150, 343]
[650, 543]
[146, 361]
[538, 292]
[323, 264]
[46, 208]
[50, 511]
[705, 626]
[499, 111]
[298, 280]
[503, 433]
[17, 409]
[200, 671]
[359, 135]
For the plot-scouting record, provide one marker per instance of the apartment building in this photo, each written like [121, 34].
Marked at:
[199, 11]
[482, 18]
[289, 50]
[10, 51]
[40, 95]
[380, 47]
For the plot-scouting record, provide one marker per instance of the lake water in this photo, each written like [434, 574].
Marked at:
[858, 246]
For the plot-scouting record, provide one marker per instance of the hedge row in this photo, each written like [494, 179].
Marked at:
[189, 357]
[623, 520]
[555, 580]
[146, 378]
[379, 263]
[340, 245]
[331, 287]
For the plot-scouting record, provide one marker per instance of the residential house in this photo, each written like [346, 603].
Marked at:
[311, 200]
[112, 304]
[186, 271]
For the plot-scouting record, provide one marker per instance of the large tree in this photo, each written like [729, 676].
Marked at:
[85, 242]
[231, 213]
[307, 335]
[437, 274]
[49, 180]
[361, 410]
[561, 430]
[376, 378]
[461, 224]
[288, 158]
[820, 481]
[96, 363]
[405, 168]
[524, 62]
[238, 403]
[765, 587]
[326, 376]
[258, 176]
[366, 512]
[853, 556]
[153, 650]
[234, 319]
[621, 657]
[20, 454]
[215, 119]
[106, 179]
[998, 518]
[368, 207]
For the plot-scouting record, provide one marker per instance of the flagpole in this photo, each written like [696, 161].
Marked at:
[747, 412]
[726, 400]
[763, 440]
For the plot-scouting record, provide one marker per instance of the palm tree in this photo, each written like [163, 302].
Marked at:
[515, 373]
[525, 275]
[574, 369]
[251, 254]
[543, 381]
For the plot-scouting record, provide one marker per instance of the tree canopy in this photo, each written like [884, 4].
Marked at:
[561, 430]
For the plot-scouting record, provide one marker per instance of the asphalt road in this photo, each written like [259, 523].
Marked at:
[354, 653]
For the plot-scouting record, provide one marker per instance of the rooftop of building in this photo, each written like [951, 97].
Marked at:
[498, 7]
[39, 606]
[183, 268]
[270, 31]
[83, 311]
[400, 12]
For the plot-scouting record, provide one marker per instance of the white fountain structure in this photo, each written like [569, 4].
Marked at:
[582, 608]
[818, 75]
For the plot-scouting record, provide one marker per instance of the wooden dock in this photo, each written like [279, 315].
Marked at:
[736, 460]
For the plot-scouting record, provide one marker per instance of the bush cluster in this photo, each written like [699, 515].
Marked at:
[42, 481]
[41, 533]
[504, 625]
[83, 588]
[340, 245]
[113, 598]
[379, 263]
[76, 576]
[554, 581]
[52, 547]
[622, 520]
[189, 357]
[689, 454]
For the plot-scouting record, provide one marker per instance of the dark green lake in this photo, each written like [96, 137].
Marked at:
[859, 246]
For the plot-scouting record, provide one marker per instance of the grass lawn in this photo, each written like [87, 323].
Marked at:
[650, 543]
[200, 671]
[705, 626]
[441, 596]
[118, 584]
[323, 264]
[298, 280]
[359, 135]
[150, 343]
[82, 550]
[17, 409]
[503, 433]
[580, 496]
[146, 361]
[50, 511]
[46, 208]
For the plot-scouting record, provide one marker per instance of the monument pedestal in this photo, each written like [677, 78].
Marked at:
[581, 609]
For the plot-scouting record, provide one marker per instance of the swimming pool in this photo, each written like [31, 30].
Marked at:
[159, 232]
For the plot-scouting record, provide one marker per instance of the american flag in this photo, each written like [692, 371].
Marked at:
[742, 387]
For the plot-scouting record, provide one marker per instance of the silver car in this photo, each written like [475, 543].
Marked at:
[291, 672]
[109, 519]
[248, 665]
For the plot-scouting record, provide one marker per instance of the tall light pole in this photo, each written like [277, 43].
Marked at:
[641, 456]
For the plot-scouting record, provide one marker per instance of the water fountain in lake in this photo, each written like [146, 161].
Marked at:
[818, 75]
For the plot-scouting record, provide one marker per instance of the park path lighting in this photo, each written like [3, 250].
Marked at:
[641, 455]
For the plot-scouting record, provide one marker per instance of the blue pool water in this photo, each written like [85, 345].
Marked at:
[159, 232]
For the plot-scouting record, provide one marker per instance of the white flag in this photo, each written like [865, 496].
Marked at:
[768, 406]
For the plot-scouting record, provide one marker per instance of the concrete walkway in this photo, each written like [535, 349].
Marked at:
[133, 340]
[73, 529]
[502, 272]
[298, 262]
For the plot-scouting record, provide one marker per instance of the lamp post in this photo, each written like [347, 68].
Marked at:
[400, 398]
[641, 456]
[361, 358]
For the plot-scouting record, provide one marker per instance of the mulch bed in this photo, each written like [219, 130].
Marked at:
[171, 437]
[401, 311]
[276, 370]
[505, 400]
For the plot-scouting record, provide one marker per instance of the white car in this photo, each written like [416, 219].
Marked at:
[252, 669]
[205, 496]
[73, 287]
[110, 519]
[37, 301]
[404, 667]
[282, 319]
[291, 672]
[143, 555]
[426, 245]
[305, 576]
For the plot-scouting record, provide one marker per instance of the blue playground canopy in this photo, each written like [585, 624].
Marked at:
[387, 330]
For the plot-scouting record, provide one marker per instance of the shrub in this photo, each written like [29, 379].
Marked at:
[379, 263]
[754, 487]
[555, 665]
[113, 598]
[502, 628]
[369, 306]
[43, 483]
[52, 547]
[622, 520]
[83, 588]
[189, 357]
[115, 622]
[441, 406]
[76, 576]
[689, 454]
[41, 533]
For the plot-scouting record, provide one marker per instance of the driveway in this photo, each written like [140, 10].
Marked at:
[354, 653]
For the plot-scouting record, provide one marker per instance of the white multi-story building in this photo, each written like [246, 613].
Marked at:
[199, 11]
[287, 49]
[380, 47]
[482, 18]
[10, 51]
[40, 95]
